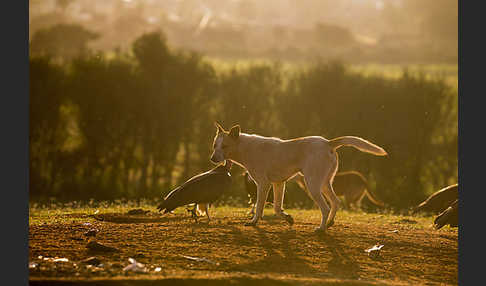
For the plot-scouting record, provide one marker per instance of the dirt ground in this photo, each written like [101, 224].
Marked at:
[272, 253]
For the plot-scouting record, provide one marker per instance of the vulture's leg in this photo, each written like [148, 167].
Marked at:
[206, 209]
[193, 212]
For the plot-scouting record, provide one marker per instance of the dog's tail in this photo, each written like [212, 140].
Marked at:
[369, 194]
[373, 198]
[358, 143]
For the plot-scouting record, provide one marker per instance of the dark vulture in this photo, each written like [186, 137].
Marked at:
[204, 189]
[439, 201]
[448, 216]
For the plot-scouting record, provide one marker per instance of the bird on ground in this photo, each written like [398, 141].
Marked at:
[439, 201]
[202, 189]
[448, 216]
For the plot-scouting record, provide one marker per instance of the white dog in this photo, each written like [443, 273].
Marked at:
[272, 161]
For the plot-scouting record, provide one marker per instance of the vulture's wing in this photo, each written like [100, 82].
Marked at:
[196, 189]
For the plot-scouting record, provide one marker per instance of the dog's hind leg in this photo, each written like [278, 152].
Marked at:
[333, 201]
[263, 187]
[328, 190]
[278, 196]
[314, 183]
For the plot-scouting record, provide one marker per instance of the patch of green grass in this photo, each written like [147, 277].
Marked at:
[59, 213]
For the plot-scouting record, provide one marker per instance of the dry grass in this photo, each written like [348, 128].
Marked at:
[273, 253]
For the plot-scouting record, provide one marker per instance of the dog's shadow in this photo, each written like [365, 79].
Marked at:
[340, 265]
[280, 249]
[279, 253]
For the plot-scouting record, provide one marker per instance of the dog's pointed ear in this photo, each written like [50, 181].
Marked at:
[220, 129]
[235, 131]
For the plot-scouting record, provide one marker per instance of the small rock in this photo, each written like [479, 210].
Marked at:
[95, 246]
[91, 261]
[91, 232]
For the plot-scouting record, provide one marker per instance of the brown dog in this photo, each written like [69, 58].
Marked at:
[272, 161]
[351, 185]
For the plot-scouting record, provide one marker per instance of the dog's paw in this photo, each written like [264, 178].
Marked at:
[330, 223]
[320, 231]
[250, 223]
[289, 219]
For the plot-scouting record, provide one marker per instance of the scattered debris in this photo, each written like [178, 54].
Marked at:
[393, 231]
[157, 269]
[91, 232]
[97, 211]
[200, 259]
[33, 265]
[137, 212]
[374, 251]
[87, 224]
[77, 238]
[53, 259]
[95, 246]
[135, 266]
[92, 261]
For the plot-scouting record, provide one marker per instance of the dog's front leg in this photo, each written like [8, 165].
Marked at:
[278, 196]
[263, 187]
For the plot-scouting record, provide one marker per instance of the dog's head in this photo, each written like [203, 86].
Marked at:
[225, 143]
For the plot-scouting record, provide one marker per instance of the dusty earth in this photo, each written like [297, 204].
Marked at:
[272, 253]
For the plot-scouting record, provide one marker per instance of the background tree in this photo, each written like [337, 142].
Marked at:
[61, 41]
